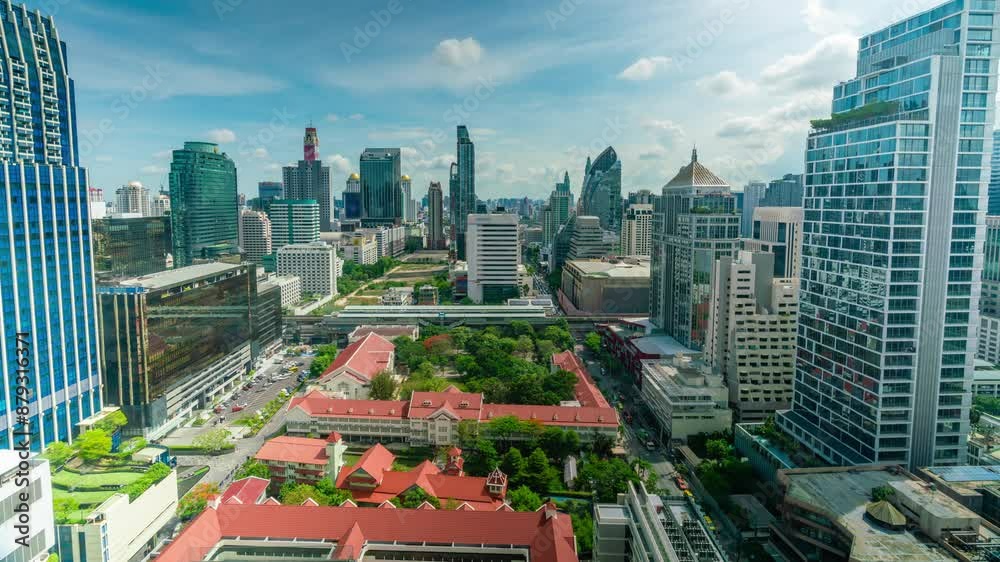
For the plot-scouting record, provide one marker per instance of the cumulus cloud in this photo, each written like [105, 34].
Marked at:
[339, 163]
[726, 84]
[272, 166]
[163, 154]
[665, 131]
[655, 152]
[831, 56]
[645, 68]
[458, 53]
[821, 20]
[768, 129]
[221, 136]
[332, 117]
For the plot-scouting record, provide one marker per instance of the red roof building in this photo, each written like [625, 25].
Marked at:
[300, 459]
[249, 490]
[346, 533]
[585, 391]
[351, 373]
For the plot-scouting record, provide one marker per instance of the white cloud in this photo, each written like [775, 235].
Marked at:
[102, 158]
[272, 166]
[400, 133]
[458, 53]
[821, 20]
[655, 152]
[260, 152]
[163, 154]
[356, 117]
[666, 131]
[440, 162]
[768, 130]
[645, 68]
[829, 58]
[221, 136]
[332, 117]
[482, 132]
[339, 163]
[726, 84]
[153, 169]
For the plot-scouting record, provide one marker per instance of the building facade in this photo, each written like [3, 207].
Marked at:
[493, 256]
[462, 189]
[408, 204]
[310, 179]
[892, 247]
[989, 302]
[381, 194]
[255, 235]
[753, 192]
[352, 197]
[601, 194]
[695, 222]
[131, 247]
[435, 218]
[778, 230]
[685, 397]
[204, 217]
[47, 285]
[36, 482]
[604, 287]
[587, 241]
[314, 264]
[993, 197]
[268, 191]
[132, 199]
[361, 249]
[294, 221]
[637, 230]
[784, 192]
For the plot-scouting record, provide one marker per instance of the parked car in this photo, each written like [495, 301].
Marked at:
[219, 409]
[237, 408]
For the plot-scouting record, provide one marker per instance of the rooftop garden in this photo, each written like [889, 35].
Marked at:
[867, 111]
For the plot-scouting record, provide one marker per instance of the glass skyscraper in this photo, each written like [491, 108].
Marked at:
[894, 205]
[463, 188]
[131, 247]
[46, 274]
[204, 215]
[381, 193]
[602, 190]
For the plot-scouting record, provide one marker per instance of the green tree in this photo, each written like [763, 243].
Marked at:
[562, 339]
[503, 429]
[383, 387]
[253, 468]
[415, 497]
[718, 449]
[545, 350]
[332, 495]
[593, 342]
[64, 508]
[521, 328]
[538, 473]
[325, 355]
[524, 346]
[513, 466]
[880, 493]
[605, 477]
[602, 445]
[194, 502]
[93, 445]
[212, 441]
[58, 453]
[523, 499]
[482, 459]
[559, 443]
[298, 493]
[112, 422]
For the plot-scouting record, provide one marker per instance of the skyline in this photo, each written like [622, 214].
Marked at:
[143, 88]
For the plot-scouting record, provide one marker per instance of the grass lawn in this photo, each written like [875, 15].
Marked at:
[351, 459]
[67, 479]
[92, 499]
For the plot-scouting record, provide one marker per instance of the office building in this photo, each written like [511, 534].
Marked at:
[645, 526]
[462, 188]
[993, 191]
[587, 240]
[361, 248]
[989, 303]
[352, 197]
[641, 197]
[37, 484]
[47, 284]
[695, 222]
[784, 192]
[255, 235]
[601, 194]
[685, 397]
[751, 339]
[310, 179]
[98, 206]
[204, 218]
[558, 211]
[132, 199]
[435, 218]
[314, 264]
[381, 194]
[294, 221]
[494, 252]
[265, 319]
[778, 230]
[607, 287]
[390, 240]
[269, 190]
[892, 251]
[637, 230]
[291, 289]
[173, 341]
[753, 192]
[409, 206]
[131, 247]
[159, 205]
[559, 249]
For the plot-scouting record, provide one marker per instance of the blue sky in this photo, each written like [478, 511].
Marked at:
[541, 83]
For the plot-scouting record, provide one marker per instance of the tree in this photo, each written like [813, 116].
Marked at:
[482, 458]
[520, 328]
[58, 453]
[415, 497]
[538, 474]
[559, 443]
[332, 494]
[605, 477]
[93, 445]
[602, 444]
[212, 441]
[545, 350]
[64, 507]
[112, 422]
[195, 501]
[298, 493]
[325, 355]
[524, 346]
[253, 468]
[593, 342]
[880, 493]
[523, 499]
[513, 466]
[718, 449]
[562, 339]
[503, 429]
[383, 387]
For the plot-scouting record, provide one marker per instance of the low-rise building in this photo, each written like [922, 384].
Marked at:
[388, 332]
[428, 296]
[291, 289]
[351, 373]
[975, 487]
[361, 248]
[645, 526]
[685, 397]
[302, 460]
[397, 296]
[121, 527]
[607, 287]
[26, 525]
[989, 339]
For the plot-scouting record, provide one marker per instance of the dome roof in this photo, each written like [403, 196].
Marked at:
[355, 176]
[405, 177]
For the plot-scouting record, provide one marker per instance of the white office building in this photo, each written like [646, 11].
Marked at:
[778, 230]
[314, 264]
[361, 249]
[290, 287]
[255, 235]
[493, 253]
[38, 532]
[132, 199]
[637, 230]
[685, 397]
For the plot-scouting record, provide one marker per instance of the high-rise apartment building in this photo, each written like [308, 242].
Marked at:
[462, 187]
[602, 190]
[637, 230]
[641, 197]
[435, 218]
[132, 199]
[753, 192]
[494, 253]
[778, 230]
[784, 192]
[204, 218]
[315, 264]
[409, 205]
[268, 191]
[381, 194]
[47, 283]
[695, 222]
[255, 235]
[352, 197]
[751, 339]
[560, 205]
[310, 179]
[159, 206]
[587, 240]
[993, 198]
[294, 222]
[130, 247]
[892, 245]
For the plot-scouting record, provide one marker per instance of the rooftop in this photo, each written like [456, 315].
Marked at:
[594, 268]
[696, 175]
[179, 276]
[301, 450]
[364, 358]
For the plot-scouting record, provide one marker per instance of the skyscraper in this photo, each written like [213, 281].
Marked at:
[435, 218]
[463, 188]
[494, 254]
[129, 247]
[203, 213]
[47, 281]
[637, 230]
[695, 222]
[294, 221]
[381, 193]
[993, 202]
[268, 191]
[753, 192]
[132, 198]
[784, 192]
[409, 205]
[352, 197]
[892, 245]
[255, 235]
[602, 190]
[160, 204]
[310, 179]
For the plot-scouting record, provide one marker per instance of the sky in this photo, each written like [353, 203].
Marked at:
[541, 84]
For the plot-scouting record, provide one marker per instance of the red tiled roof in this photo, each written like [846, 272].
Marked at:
[554, 415]
[376, 462]
[364, 358]
[247, 490]
[387, 332]
[585, 391]
[300, 450]
[462, 405]
[271, 501]
[548, 538]
[318, 404]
